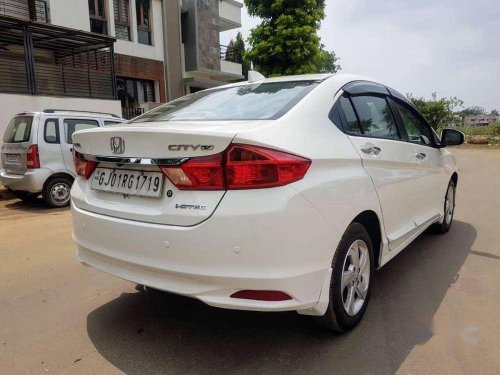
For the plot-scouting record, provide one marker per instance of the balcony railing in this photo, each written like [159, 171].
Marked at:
[129, 113]
[227, 53]
[28, 10]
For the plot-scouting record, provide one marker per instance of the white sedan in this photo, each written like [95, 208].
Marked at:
[269, 195]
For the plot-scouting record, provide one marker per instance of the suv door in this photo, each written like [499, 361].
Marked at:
[431, 180]
[49, 142]
[70, 126]
[371, 127]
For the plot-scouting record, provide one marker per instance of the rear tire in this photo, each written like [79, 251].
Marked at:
[56, 192]
[25, 196]
[449, 210]
[350, 285]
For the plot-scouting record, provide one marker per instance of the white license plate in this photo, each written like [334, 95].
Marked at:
[127, 181]
[13, 158]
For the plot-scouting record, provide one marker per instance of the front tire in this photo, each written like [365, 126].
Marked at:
[56, 192]
[350, 285]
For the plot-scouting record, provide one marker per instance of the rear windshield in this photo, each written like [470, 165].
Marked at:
[18, 130]
[258, 101]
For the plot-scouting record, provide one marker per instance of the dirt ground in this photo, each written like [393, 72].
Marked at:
[435, 308]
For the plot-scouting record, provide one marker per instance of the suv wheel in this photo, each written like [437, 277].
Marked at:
[350, 286]
[56, 192]
[449, 210]
[25, 196]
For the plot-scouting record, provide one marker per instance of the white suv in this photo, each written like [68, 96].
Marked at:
[37, 152]
[272, 195]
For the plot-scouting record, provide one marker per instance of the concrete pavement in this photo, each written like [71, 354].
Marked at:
[434, 309]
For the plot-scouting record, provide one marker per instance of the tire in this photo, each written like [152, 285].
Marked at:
[448, 209]
[341, 316]
[25, 196]
[56, 192]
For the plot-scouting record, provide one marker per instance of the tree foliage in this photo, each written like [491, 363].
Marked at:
[286, 41]
[236, 53]
[438, 112]
[473, 111]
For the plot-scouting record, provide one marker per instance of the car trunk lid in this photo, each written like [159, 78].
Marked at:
[143, 148]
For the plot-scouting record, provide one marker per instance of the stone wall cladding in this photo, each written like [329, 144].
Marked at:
[208, 34]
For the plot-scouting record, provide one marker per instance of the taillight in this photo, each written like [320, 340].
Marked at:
[250, 167]
[202, 173]
[83, 167]
[239, 167]
[32, 157]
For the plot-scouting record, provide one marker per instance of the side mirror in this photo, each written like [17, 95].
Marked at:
[452, 137]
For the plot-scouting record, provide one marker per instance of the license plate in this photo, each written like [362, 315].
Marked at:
[130, 182]
[13, 158]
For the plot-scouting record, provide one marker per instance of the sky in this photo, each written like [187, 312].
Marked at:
[451, 47]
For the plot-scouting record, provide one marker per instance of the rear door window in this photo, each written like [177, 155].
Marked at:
[18, 130]
[51, 131]
[352, 124]
[375, 117]
[73, 125]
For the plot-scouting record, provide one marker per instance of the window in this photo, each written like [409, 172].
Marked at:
[51, 131]
[258, 101]
[134, 92]
[143, 21]
[18, 130]
[122, 21]
[416, 129]
[97, 13]
[352, 121]
[375, 117]
[73, 125]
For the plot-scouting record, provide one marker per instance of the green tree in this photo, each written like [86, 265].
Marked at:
[236, 50]
[494, 112]
[473, 111]
[286, 41]
[438, 112]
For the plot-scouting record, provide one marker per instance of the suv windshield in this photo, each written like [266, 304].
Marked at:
[18, 130]
[258, 101]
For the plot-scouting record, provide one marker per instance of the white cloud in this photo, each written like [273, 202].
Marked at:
[419, 46]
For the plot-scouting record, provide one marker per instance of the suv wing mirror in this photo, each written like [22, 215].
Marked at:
[452, 137]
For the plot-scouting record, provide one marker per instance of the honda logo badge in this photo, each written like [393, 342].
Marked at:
[117, 145]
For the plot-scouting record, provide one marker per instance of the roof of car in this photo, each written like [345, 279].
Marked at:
[68, 112]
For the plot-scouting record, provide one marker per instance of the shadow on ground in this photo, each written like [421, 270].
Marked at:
[9, 201]
[154, 332]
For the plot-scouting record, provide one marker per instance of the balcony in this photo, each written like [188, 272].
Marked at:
[229, 15]
[228, 64]
[27, 10]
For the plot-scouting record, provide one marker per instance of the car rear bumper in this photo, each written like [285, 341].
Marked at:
[216, 258]
[31, 181]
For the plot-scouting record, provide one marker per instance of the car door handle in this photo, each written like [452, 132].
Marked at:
[370, 148]
[420, 155]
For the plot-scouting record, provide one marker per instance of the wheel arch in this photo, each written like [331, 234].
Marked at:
[58, 175]
[370, 220]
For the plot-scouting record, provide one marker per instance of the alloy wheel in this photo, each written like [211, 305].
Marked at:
[355, 277]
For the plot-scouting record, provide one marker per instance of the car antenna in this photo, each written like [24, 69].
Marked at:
[254, 76]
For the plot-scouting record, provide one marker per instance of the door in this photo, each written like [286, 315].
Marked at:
[431, 180]
[387, 158]
[70, 126]
[49, 142]
[17, 141]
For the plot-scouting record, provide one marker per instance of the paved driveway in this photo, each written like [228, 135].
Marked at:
[435, 308]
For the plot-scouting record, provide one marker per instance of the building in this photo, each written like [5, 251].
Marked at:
[480, 120]
[119, 56]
